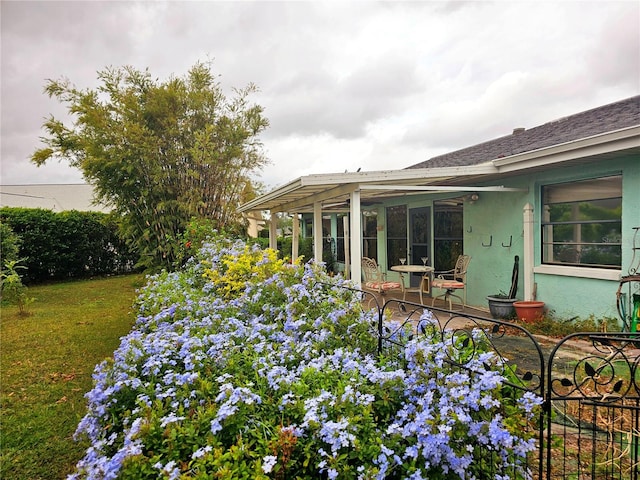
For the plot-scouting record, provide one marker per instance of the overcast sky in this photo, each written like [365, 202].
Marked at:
[345, 85]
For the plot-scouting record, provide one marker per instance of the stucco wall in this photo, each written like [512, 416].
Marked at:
[489, 223]
[630, 212]
[500, 215]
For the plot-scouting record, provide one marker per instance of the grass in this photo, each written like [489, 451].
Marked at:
[46, 362]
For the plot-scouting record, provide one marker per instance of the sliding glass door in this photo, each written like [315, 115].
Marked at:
[447, 234]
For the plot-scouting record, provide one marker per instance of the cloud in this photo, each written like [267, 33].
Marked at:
[376, 85]
[614, 59]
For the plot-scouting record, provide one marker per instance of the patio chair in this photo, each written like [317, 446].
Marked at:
[451, 281]
[375, 281]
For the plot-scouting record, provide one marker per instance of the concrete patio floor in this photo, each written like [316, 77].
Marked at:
[444, 317]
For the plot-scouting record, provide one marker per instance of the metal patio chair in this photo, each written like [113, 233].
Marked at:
[451, 281]
[375, 281]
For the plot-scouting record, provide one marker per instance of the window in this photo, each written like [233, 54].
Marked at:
[396, 234]
[370, 234]
[308, 227]
[582, 223]
[340, 255]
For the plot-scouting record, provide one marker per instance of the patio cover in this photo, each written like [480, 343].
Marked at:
[348, 191]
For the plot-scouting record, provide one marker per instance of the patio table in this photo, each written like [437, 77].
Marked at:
[424, 269]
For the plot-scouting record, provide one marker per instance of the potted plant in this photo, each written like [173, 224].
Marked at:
[501, 305]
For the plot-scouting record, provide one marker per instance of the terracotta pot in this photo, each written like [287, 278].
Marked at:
[529, 310]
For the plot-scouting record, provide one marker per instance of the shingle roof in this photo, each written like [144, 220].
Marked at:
[608, 118]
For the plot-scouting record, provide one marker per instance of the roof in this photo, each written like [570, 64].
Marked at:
[589, 136]
[607, 118]
[56, 197]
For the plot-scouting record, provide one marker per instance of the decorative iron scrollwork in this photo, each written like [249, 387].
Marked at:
[606, 374]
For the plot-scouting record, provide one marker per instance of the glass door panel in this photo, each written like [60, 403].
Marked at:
[447, 235]
[419, 239]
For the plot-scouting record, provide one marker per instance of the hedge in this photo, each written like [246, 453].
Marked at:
[68, 244]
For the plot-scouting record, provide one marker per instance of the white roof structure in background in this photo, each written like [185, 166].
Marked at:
[51, 197]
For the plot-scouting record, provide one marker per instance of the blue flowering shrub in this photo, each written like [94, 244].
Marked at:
[281, 379]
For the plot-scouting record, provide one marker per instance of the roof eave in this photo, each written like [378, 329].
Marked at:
[333, 180]
[270, 196]
[609, 142]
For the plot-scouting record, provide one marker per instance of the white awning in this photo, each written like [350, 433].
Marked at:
[334, 190]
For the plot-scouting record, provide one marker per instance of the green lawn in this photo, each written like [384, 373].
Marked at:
[46, 362]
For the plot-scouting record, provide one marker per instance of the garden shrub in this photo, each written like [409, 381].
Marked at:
[12, 290]
[69, 244]
[305, 247]
[552, 326]
[243, 366]
[9, 243]
[196, 232]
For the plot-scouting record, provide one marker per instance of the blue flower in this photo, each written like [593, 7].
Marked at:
[268, 462]
[201, 452]
[529, 401]
[288, 352]
[171, 418]
[336, 434]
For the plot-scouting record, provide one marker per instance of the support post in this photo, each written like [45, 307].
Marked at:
[356, 238]
[295, 241]
[317, 232]
[347, 253]
[273, 231]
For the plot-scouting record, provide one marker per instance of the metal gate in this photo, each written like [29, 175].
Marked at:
[589, 427]
[592, 407]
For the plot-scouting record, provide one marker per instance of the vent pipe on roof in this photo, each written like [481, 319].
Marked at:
[518, 130]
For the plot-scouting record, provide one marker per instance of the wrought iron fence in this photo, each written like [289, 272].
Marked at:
[593, 406]
[589, 427]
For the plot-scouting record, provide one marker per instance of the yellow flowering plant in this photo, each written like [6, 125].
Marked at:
[234, 271]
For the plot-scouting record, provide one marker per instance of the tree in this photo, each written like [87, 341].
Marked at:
[160, 153]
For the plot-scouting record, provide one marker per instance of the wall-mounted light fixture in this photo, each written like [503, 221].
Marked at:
[472, 197]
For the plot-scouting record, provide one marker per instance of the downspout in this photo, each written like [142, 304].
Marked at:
[529, 283]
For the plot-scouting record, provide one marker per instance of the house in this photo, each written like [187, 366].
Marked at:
[56, 197]
[564, 197]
